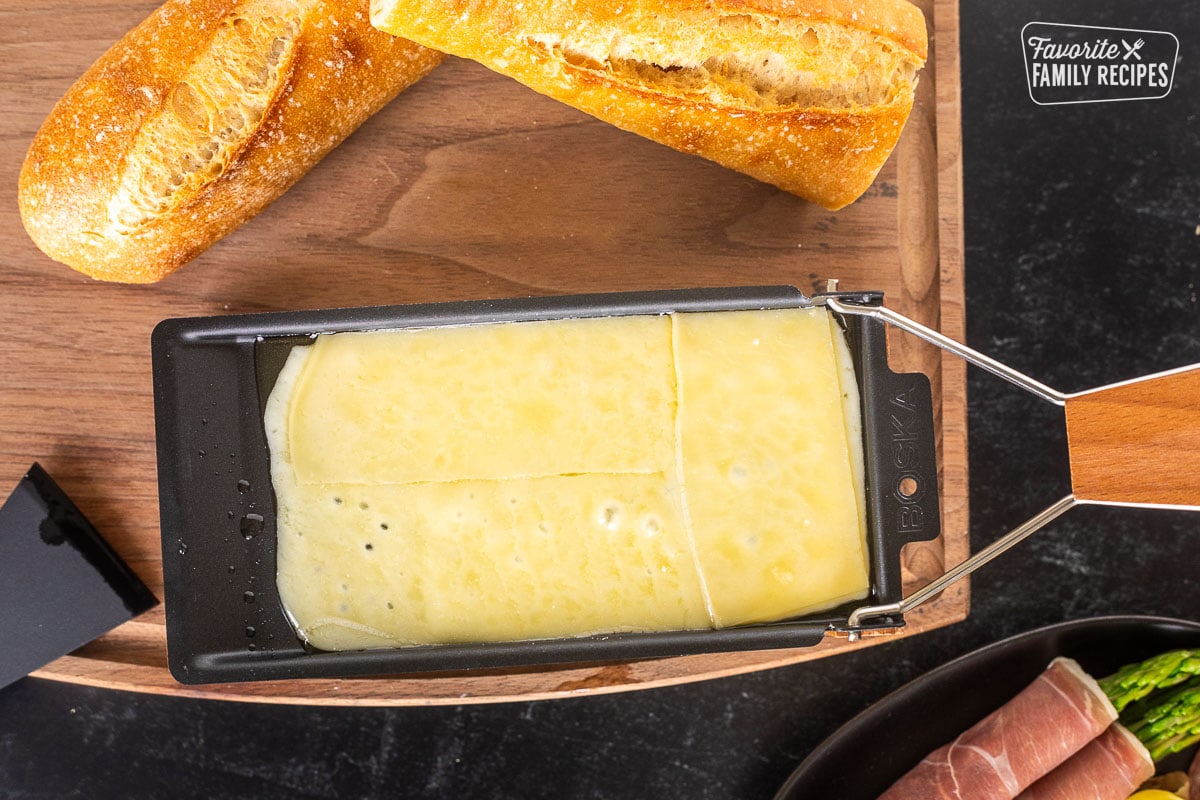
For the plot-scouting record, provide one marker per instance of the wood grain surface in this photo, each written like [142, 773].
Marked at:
[467, 186]
[1137, 441]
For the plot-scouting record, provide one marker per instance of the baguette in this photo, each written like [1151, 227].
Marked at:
[195, 121]
[809, 95]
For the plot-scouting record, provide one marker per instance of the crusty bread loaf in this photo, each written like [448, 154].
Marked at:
[195, 121]
[809, 95]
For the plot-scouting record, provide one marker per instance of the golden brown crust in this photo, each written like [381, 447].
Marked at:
[900, 21]
[195, 121]
[809, 95]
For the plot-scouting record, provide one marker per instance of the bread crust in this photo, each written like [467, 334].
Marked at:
[809, 95]
[195, 121]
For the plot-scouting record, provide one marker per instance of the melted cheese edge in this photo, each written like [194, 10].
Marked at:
[512, 481]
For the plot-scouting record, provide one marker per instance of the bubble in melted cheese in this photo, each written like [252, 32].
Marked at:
[532, 480]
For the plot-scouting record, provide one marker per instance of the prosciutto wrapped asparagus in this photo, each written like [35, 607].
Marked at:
[1110, 767]
[1008, 751]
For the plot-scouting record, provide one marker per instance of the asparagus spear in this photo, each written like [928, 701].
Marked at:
[1159, 700]
[1135, 681]
[1172, 723]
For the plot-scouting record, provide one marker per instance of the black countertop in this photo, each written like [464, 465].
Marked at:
[1083, 265]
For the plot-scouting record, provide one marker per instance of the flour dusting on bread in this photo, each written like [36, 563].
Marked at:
[788, 65]
[210, 113]
[195, 121]
[809, 95]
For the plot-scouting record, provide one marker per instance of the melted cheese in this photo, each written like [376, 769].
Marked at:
[767, 461]
[531, 480]
[489, 402]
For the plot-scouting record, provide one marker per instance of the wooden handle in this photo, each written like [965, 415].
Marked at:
[1139, 441]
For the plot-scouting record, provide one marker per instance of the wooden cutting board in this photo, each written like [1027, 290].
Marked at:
[467, 186]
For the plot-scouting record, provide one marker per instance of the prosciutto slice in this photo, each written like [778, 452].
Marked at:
[1005, 753]
[1110, 767]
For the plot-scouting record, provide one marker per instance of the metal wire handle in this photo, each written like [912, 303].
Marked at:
[855, 621]
[1001, 545]
[845, 305]
[838, 306]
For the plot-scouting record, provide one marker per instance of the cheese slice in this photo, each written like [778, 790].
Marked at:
[486, 401]
[516, 481]
[769, 463]
[474, 561]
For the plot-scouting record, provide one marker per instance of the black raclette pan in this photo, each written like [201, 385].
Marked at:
[225, 621]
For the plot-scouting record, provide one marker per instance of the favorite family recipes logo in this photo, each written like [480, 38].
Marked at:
[1085, 64]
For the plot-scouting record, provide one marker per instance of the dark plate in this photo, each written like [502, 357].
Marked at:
[867, 754]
